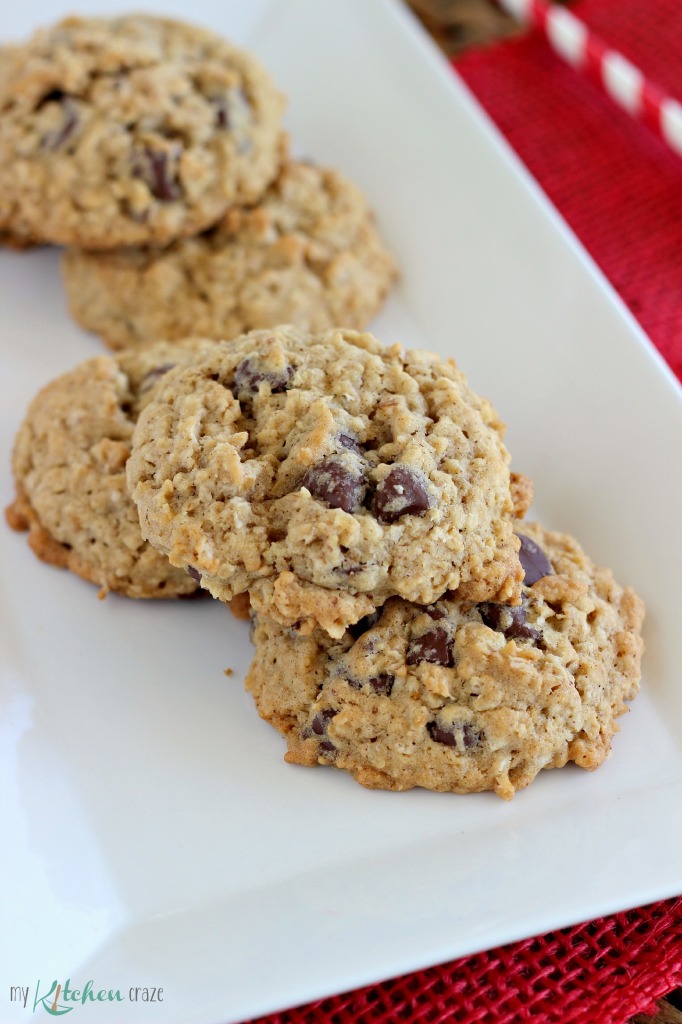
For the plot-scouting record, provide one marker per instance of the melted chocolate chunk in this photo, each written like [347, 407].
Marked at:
[158, 168]
[435, 613]
[337, 483]
[459, 734]
[194, 573]
[401, 493]
[70, 122]
[248, 377]
[383, 683]
[534, 561]
[321, 721]
[433, 646]
[510, 620]
[364, 624]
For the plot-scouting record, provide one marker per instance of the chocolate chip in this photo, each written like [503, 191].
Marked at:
[382, 684]
[400, 493]
[434, 612]
[510, 620]
[153, 375]
[327, 746]
[194, 573]
[433, 646]
[364, 624]
[70, 122]
[248, 376]
[349, 570]
[233, 111]
[346, 441]
[222, 112]
[53, 96]
[457, 734]
[534, 561]
[321, 721]
[336, 482]
[492, 615]
[520, 630]
[157, 168]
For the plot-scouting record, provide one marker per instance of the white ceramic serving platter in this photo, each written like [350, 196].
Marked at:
[151, 832]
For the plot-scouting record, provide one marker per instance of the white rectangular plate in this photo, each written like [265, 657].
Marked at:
[152, 834]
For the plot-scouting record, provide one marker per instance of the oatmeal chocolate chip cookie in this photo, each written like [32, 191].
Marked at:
[308, 253]
[69, 467]
[324, 474]
[460, 696]
[131, 131]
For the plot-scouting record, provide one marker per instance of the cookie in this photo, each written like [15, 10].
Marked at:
[131, 131]
[11, 240]
[459, 696]
[8, 55]
[324, 474]
[69, 467]
[8, 239]
[308, 253]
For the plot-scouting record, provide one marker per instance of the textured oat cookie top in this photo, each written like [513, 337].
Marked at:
[69, 467]
[460, 696]
[325, 473]
[131, 130]
[308, 253]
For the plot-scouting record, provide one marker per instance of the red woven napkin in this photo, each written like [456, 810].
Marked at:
[621, 191]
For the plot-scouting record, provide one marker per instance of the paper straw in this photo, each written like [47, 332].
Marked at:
[573, 41]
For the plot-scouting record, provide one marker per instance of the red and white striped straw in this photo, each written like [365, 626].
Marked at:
[620, 79]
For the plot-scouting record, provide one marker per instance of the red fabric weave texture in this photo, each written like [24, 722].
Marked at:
[620, 190]
[597, 973]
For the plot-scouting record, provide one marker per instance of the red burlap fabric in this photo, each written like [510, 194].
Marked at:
[621, 192]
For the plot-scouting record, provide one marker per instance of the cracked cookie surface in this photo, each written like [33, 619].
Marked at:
[324, 474]
[308, 253]
[130, 131]
[69, 468]
[460, 696]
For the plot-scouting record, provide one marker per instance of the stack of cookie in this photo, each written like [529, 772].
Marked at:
[154, 151]
[409, 628]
